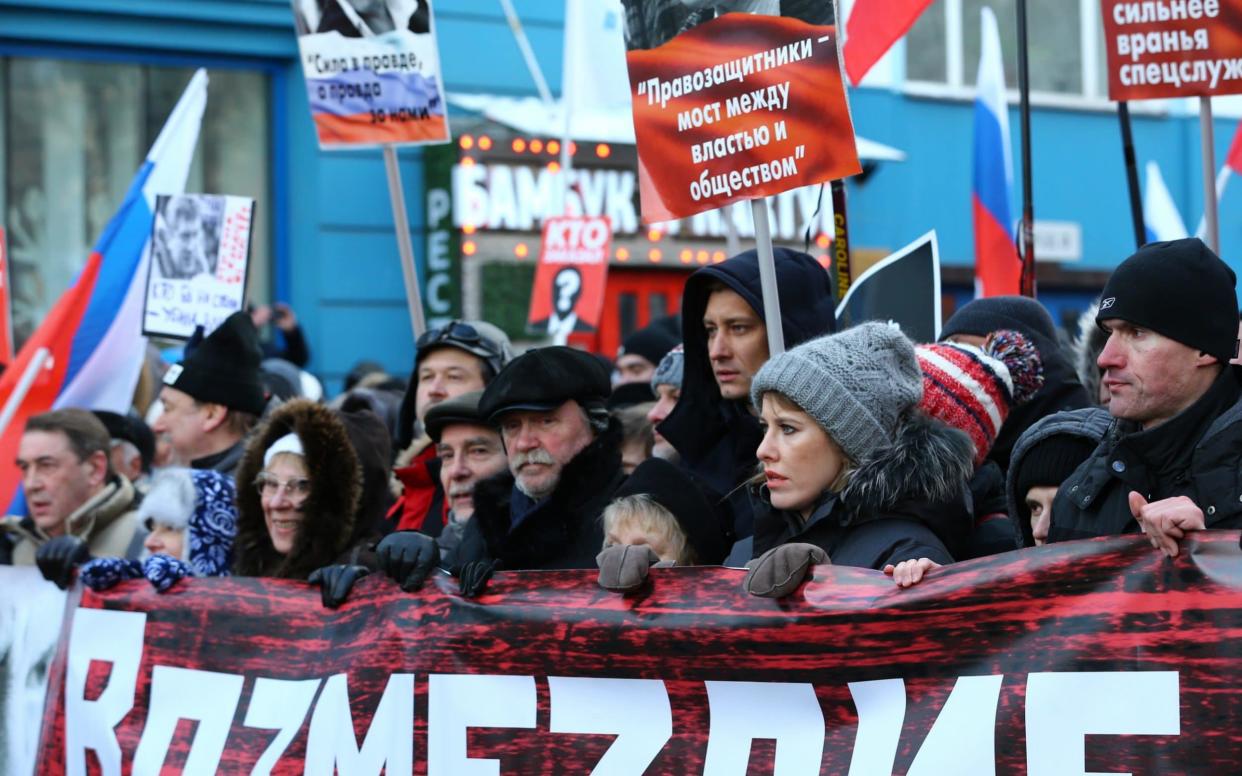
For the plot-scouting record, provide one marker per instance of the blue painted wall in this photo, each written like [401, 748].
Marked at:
[335, 254]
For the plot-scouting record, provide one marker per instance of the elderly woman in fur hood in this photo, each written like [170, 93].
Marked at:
[312, 489]
[853, 473]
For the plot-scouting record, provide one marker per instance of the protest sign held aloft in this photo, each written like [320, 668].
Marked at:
[903, 287]
[200, 250]
[568, 293]
[372, 71]
[1172, 48]
[734, 106]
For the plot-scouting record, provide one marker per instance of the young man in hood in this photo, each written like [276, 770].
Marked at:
[713, 426]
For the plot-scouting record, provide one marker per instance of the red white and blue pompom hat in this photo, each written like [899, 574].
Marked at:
[973, 389]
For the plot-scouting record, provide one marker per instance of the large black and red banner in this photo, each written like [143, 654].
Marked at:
[1082, 658]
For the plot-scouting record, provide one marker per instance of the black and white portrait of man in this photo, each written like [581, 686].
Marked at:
[186, 242]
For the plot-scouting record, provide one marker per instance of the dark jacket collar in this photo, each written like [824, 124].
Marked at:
[224, 461]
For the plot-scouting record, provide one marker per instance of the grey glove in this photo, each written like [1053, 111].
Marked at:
[623, 567]
[778, 572]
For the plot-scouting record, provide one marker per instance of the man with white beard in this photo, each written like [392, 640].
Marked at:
[564, 464]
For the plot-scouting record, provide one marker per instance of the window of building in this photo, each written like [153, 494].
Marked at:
[1066, 45]
[72, 136]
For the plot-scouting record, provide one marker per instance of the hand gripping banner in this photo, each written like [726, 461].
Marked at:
[1088, 657]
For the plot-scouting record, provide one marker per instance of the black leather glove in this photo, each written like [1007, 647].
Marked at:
[407, 557]
[474, 577]
[58, 557]
[336, 581]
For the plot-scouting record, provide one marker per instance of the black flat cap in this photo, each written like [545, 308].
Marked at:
[459, 409]
[545, 378]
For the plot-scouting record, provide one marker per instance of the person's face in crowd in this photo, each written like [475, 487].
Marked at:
[444, 373]
[800, 461]
[163, 539]
[540, 444]
[283, 487]
[630, 531]
[633, 368]
[666, 400]
[1149, 377]
[468, 454]
[187, 423]
[737, 342]
[126, 459]
[974, 340]
[633, 452]
[1039, 501]
[56, 481]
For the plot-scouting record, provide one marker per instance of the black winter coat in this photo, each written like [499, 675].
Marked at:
[564, 531]
[910, 500]
[716, 438]
[1197, 453]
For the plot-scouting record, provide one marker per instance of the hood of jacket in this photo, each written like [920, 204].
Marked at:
[329, 511]
[552, 531]
[1087, 347]
[1091, 423]
[928, 463]
[372, 444]
[808, 310]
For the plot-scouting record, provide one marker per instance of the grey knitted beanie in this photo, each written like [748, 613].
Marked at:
[856, 384]
[671, 368]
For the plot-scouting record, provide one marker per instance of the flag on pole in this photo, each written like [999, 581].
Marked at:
[872, 29]
[998, 268]
[93, 335]
[1233, 165]
[1161, 221]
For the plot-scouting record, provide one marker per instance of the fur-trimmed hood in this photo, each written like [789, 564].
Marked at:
[1087, 347]
[330, 509]
[928, 462]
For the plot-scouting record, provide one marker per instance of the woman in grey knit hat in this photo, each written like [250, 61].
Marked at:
[853, 473]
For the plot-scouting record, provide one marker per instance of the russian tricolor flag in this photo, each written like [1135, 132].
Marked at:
[998, 269]
[1161, 221]
[88, 351]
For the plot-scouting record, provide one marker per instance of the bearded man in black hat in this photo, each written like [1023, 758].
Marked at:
[1168, 463]
[214, 397]
[564, 459]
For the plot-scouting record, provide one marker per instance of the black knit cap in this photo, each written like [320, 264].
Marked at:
[673, 489]
[545, 378]
[459, 409]
[131, 429]
[1051, 461]
[981, 317]
[1180, 289]
[629, 394]
[651, 342]
[224, 367]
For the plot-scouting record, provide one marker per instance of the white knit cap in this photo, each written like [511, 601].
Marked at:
[289, 443]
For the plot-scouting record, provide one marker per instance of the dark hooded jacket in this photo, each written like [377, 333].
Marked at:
[563, 531]
[1091, 423]
[716, 438]
[1196, 453]
[330, 527]
[1061, 390]
[908, 500]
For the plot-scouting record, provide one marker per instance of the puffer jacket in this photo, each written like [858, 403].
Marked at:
[716, 438]
[908, 500]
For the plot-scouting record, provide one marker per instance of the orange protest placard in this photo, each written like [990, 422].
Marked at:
[738, 107]
[568, 293]
[1172, 48]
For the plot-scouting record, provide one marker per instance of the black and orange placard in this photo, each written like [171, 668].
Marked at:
[568, 295]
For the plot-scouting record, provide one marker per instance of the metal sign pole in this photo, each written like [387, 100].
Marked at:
[406, 246]
[1212, 230]
[767, 277]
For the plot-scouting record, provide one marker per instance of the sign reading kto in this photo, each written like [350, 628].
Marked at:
[568, 293]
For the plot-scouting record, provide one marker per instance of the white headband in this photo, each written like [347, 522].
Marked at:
[289, 443]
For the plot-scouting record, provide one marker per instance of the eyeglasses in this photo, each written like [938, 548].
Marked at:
[268, 486]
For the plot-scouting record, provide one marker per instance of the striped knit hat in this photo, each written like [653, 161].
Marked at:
[973, 389]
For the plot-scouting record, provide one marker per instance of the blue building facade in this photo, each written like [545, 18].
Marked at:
[327, 245]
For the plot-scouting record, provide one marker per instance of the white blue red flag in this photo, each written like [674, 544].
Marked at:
[1161, 221]
[90, 346]
[998, 269]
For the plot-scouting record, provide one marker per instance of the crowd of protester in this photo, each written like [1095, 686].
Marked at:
[697, 447]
